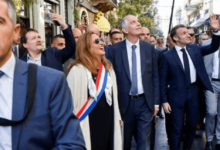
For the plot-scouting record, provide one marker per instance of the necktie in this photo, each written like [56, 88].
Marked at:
[219, 63]
[134, 89]
[1, 73]
[186, 66]
[15, 51]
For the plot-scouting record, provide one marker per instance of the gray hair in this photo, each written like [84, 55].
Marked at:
[11, 11]
[124, 22]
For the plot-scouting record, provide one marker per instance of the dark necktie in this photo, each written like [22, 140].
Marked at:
[15, 51]
[186, 66]
[219, 63]
[134, 89]
[1, 73]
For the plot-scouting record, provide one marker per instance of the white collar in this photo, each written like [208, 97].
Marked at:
[129, 44]
[9, 66]
[179, 48]
[29, 57]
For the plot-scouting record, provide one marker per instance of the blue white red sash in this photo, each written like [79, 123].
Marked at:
[101, 82]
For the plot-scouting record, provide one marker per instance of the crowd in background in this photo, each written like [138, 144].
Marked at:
[85, 92]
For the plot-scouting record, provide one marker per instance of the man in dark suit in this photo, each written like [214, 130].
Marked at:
[50, 123]
[135, 65]
[182, 73]
[51, 57]
[115, 37]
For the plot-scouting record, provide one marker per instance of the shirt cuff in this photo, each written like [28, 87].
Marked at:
[156, 105]
[216, 33]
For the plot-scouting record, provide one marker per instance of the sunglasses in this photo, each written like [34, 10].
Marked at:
[96, 41]
[191, 34]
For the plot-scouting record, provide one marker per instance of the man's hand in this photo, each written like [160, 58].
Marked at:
[214, 22]
[167, 108]
[58, 18]
[156, 109]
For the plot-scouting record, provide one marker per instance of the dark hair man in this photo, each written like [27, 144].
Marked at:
[191, 32]
[50, 123]
[51, 57]
[115, 36]
[153, 40]
[181, 75]
[58, 42]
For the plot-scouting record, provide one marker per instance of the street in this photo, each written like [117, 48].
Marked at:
[161, 138]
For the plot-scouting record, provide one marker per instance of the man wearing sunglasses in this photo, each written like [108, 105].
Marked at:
[192, 34]
[182, 74]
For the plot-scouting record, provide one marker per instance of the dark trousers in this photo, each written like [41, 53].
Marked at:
[137, 121]
[168, 125]
[191, 109]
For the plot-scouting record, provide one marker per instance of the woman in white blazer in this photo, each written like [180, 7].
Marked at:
[92, 82]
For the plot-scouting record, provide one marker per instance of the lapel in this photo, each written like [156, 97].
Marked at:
[143, 57]
[175, 55]
[19, 99]
[125, 58]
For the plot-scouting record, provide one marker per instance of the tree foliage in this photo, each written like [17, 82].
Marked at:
[22, 4]
[133, 7]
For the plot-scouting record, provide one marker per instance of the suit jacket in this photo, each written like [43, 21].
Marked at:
[208, 60]
[118, 57]
[106, 47]
[50, 123]
[54, 58]
[172, 74]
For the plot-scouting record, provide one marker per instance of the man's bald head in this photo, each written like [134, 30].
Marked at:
[145, 35]
[76, 33]
[93, 28]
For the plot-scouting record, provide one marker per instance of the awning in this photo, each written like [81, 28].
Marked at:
[201, 21]
[103, 24]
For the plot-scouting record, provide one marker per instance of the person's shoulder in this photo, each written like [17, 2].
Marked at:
[119, 44]
[49, 74]
[146, 44]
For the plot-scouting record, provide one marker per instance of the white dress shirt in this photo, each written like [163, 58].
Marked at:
[139, 76]
[191, 65]
[6, 95]
[215, 71]
[36, 61]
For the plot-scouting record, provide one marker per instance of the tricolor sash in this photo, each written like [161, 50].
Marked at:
[101, 82]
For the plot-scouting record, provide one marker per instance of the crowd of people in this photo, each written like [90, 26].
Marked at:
[84, 93]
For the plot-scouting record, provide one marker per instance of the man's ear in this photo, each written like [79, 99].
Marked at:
[16, 33]
[175, 38]
[124, 30]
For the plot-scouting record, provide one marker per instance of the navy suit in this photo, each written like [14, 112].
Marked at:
[117, 53]
[54, 58]
[174, 90]
[51, 123]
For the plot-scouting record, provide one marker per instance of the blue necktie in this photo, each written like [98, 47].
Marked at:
[134, 89]
[186, 66]
[1, 73]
